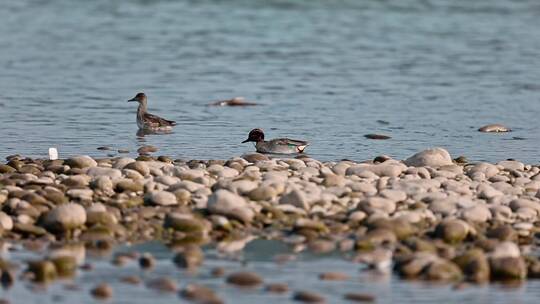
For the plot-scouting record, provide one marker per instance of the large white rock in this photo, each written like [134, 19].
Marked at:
[65, 217]
[436, 157]
[231, 205]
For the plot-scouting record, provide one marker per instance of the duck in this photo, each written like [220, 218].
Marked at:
[147, 121]
[277, 146]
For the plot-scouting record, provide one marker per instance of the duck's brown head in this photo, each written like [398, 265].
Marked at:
[140, 98]
[256, 135]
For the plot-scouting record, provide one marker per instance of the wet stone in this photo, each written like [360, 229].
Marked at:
[42, 271]
[333, 276]
[244, 279]
[102, 291]
[132, 280]
[190, 257]
[308, 297]
[147, 150]
[377, 136]
[277, 288]
[200, 294]
[494, 128]
[360, 297]
[163, 284]
[147, 261]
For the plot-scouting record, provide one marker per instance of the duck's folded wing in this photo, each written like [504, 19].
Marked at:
[158, 121]
[291, 142]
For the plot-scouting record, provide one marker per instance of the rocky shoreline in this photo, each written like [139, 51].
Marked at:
[428, 217]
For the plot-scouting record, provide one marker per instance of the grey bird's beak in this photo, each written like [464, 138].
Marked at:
[245, 141]
[132, 99]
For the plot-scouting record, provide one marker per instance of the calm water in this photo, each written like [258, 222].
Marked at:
[427, 73]
[301, 274]
[326, 71]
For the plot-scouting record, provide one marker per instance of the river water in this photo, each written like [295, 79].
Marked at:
[426, 72]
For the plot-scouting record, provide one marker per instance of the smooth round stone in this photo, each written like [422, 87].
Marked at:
[308, 297]
[277, 288]
[510, 165]
[505, 250]
[333, 180]
[452, 231]
[161, 198]
[377, 204]
[103, 184]
[334, 276]
[494, 128]
[443, 270]
[77, 181]
[81, 162]
[65, 217]
[244, 279]
[101, 171]
[6, 223]
[262, 193]
[359, 297]
[190, 174]
[147, 149]
[122, 162]
[147, 261]
[388, 168]
[478, 213]
[296, 198]
[255, 157]
[190, 257]
[489, 170]
[231, 205]
[200, 294]
[394, 195]
[81, 194]
[243, 186]
[139, 166]
[508, 268]
[163, 284]
[435, 158]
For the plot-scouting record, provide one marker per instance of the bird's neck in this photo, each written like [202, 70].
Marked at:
[142, 108]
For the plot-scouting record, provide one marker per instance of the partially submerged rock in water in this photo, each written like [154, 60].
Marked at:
[244, 279]
[102, 291]
[234, 102]
[494, 128]
[377, 136]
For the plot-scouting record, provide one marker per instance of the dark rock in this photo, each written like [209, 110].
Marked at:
[244, 279]
[308, 297]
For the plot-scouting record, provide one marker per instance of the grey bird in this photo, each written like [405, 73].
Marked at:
[278, 145]
[147, 121]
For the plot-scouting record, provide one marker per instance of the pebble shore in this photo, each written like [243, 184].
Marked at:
[429, 217]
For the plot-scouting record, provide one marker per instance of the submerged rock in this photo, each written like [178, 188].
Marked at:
[245, 279]
[494, 128]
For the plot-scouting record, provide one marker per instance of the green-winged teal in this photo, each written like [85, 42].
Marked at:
[147, 121]
[278, 145]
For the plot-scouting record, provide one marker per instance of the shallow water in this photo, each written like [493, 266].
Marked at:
[299, 274]
[325, 71]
